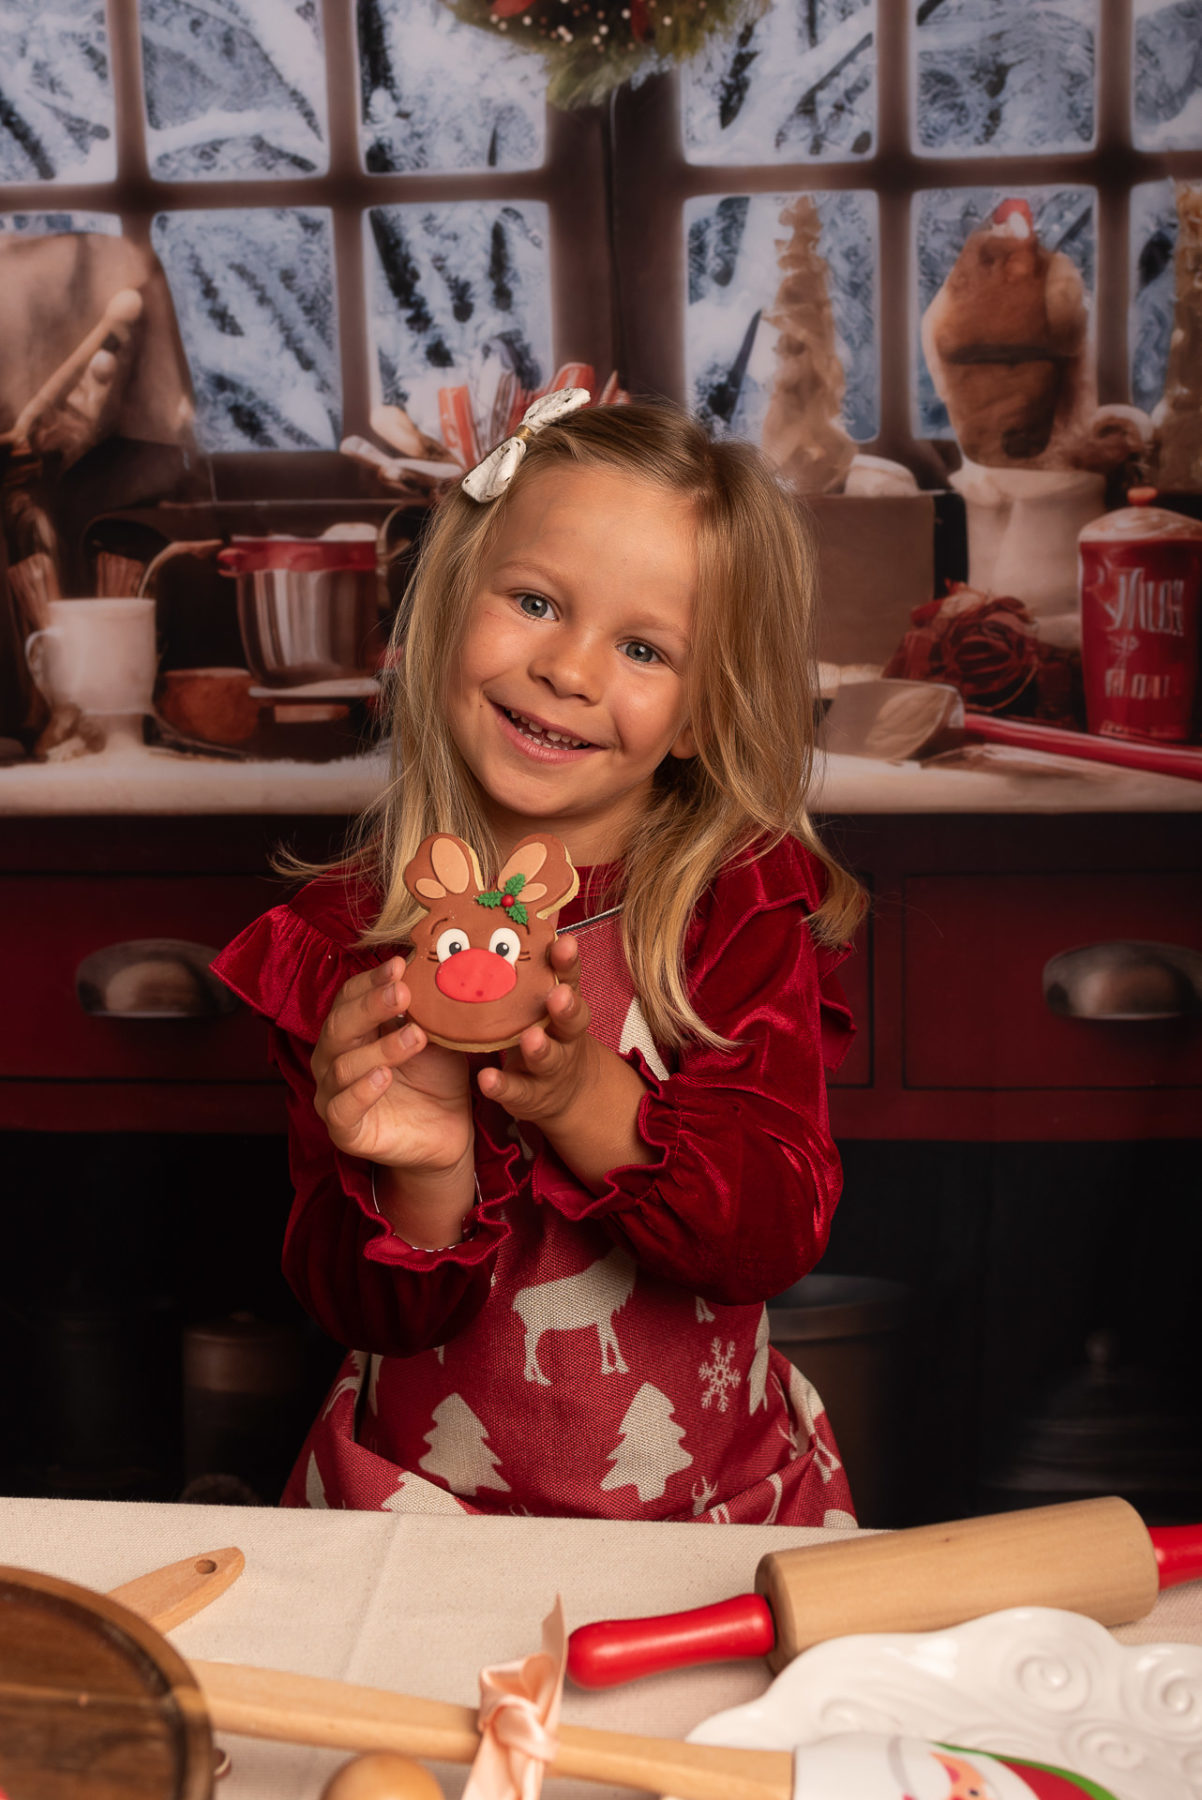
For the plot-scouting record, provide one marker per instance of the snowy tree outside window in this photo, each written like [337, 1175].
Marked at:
[995, 79]
[794, 82]
[1167, 85]
[56, 97]
[733, 276]
[438, 94]
[39, 224]
[1153, 288]
[451, 285]
[254, 295]
[235, 89]
[943, 220]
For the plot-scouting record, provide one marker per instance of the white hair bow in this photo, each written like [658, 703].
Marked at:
[492, 476]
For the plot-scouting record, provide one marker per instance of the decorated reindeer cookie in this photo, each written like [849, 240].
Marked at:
[480, 971]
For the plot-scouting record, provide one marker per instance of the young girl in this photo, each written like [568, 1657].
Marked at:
[552, 1264]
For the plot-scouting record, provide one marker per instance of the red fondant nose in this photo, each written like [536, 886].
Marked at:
[475, 975]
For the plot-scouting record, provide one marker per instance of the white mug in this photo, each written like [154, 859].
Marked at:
[99, 655]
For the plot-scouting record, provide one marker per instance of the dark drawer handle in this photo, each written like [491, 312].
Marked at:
[152, 978]
[1124, 979]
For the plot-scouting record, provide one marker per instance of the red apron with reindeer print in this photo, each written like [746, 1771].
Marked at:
[594, 1380]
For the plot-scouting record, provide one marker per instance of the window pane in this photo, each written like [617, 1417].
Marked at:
[944, 218]
[56, 102]
[992, 78]
[735, 277]
[452, 287]
[254, 295]
[1153, 288]
[438, 94]
[234, 89]
[1167, 86]
[796, 84]
[44, 224]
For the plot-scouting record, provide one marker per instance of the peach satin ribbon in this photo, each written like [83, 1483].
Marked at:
[519, 1711]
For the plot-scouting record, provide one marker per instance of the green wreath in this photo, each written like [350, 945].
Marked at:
[591, 47]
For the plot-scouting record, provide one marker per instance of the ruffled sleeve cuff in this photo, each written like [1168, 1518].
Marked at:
[662, 1123]
[498, 1172]
[289, 970]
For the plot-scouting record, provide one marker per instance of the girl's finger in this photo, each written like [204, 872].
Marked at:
[507, 1087]
[355, 1017]
[349, 1107]
[565, 959]
[391, 1049]
[568, 1012]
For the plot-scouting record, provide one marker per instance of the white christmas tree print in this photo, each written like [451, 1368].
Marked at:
[315, 1493]
[757, 1375]
[701, 1308]
[636, 1035]
[416, 1495]
[459, 1450]
[649, 1449]
[350, 1378]
[720, 1375]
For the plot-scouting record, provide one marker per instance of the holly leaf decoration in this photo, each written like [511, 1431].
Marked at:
[498, 896]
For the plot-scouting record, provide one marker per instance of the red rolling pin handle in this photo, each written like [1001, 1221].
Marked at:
[616, 1650]
[1178, 1550]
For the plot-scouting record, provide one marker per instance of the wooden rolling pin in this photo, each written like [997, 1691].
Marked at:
[1095, 1557]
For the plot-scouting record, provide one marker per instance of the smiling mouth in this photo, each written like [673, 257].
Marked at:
[542, 734]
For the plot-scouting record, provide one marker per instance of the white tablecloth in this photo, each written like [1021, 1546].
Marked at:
[420, 1604]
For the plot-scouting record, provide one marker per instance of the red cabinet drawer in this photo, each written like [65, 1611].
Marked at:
[974, 1010]
[855, 975]
[53, 921]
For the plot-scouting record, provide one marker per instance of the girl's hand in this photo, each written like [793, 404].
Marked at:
[551, 1068]
[384, 1091]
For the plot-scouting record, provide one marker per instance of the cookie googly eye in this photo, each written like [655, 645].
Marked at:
[505, 942]
[450, 942]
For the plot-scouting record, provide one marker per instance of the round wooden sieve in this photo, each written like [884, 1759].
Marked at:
[94, 1703]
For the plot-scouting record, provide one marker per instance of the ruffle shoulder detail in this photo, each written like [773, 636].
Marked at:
[764, 880]
[291, 962]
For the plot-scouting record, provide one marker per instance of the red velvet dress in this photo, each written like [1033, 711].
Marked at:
[597, 1356]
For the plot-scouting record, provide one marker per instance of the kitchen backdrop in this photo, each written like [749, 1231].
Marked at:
[271, 273]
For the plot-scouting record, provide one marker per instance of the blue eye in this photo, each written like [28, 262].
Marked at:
[534, 606]
[641, 653]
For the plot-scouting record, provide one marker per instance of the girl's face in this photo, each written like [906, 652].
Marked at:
[569, 688]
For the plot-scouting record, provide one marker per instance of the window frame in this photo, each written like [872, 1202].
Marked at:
[650, 236]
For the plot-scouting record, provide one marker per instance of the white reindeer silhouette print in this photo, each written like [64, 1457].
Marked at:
[589, 1298]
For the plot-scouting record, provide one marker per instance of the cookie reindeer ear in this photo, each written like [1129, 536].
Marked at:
[548, 874]
[444, 865]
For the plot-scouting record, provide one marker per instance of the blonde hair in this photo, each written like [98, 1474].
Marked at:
[751, 694]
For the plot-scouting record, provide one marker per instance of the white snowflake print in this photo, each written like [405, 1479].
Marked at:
[720, 1375]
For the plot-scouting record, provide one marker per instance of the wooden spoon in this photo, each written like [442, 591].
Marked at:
[168, 1596]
